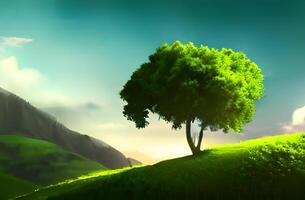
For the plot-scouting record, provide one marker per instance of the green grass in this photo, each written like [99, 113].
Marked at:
[12, 186]
[41, 162]
[265, 168]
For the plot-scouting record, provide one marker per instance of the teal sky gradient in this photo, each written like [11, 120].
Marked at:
[90, 48]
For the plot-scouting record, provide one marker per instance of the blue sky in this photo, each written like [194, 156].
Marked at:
[82, 53]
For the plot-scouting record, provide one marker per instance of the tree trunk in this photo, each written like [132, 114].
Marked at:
[195, 149]
[200, 138]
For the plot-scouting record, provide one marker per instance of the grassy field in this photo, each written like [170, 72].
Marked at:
[11, 186]
[41, 162]
[265, 168]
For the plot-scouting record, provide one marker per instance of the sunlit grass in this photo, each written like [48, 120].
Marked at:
[269, 167]
[97, 174]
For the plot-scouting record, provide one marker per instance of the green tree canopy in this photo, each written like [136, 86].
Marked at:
[183, 83]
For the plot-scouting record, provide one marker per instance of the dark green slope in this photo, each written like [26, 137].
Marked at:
[41, 162]
[265, 168]
[12, 186]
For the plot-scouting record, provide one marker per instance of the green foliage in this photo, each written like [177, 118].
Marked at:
[184, 82]
[278, 157]
[265, 168]
[41, 162]
[12, 186]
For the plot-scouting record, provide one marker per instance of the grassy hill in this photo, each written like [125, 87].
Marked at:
[41, 162]
[265, 168]
[12, 186]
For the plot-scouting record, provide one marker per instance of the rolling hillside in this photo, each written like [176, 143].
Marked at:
[19, 117]
[41, 162]
[265, 168]
[12, 186]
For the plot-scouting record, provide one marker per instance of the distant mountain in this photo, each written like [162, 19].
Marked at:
[18, 116]
[133, 162]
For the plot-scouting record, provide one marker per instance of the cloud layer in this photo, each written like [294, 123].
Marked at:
[15, 41]
[33, 86]
[16, 79]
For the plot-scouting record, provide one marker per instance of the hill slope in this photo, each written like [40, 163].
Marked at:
[19, 117]
[41, 162]
[265, 168]
[12, 186]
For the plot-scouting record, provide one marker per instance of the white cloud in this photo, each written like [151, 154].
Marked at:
[15, 41]
[290, 128]
[33, 86]
[298, 116]
[30, 84]
[297, 123]
[16, 79]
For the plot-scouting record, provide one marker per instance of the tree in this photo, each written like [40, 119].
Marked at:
[183, 83]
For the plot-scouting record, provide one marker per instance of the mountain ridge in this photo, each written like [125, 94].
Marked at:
[17, 116]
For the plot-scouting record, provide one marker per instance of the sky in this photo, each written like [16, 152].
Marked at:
[71, 58]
